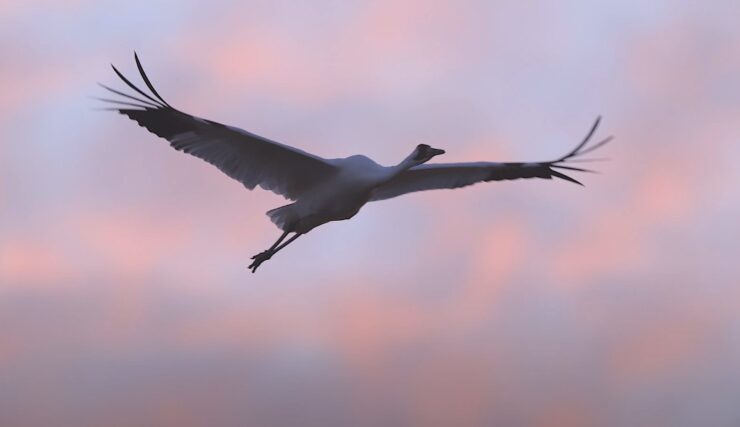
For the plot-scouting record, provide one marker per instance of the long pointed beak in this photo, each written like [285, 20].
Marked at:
[437, 152]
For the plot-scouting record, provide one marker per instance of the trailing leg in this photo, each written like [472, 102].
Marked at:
[277, 246]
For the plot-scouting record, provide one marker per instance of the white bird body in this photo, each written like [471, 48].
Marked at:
[322, 190]
[338, 198]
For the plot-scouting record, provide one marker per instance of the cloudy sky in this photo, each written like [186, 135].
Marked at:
[124, 293]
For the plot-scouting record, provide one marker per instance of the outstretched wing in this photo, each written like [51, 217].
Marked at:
[456, 175]
[244, 156]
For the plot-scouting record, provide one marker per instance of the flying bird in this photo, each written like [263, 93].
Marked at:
[321, 190]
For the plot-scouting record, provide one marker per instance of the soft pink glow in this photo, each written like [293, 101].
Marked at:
[124, 293]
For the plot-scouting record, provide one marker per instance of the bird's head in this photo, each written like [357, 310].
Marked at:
[423, 153]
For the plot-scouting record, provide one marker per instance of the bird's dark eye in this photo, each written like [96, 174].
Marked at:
[423, 147]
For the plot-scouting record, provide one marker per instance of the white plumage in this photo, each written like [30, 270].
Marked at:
[322, 190]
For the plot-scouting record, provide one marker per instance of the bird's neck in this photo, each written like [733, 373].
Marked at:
[405, 165]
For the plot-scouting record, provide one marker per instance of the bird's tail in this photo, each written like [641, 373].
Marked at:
[284, 217]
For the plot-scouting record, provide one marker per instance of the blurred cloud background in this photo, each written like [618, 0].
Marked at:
[124, 294]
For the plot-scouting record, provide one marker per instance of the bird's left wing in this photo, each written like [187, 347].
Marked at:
[244, 156]
[456, 175]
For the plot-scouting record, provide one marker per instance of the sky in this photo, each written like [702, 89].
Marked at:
[124, 293]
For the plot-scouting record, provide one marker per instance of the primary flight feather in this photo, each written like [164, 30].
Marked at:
[322, 190]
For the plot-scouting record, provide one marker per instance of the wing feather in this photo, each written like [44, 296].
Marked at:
[455, 175]
[246, 157]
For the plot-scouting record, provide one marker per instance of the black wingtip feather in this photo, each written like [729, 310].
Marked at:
[120, 102]
[596, 159]
[576, 151]
[573, 168]
[117, 92]
[573, 156]
[146, 79]
[133, 86]
[597, 145]
[565, 177]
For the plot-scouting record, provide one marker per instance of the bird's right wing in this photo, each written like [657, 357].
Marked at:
[456, 175]
[244, 156]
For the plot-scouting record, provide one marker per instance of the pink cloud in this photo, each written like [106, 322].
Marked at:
[25, 262]
[127, 307]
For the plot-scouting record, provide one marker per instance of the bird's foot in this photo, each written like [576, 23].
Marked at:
[259, 259]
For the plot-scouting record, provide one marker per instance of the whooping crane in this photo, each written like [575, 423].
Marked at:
[322, 190]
